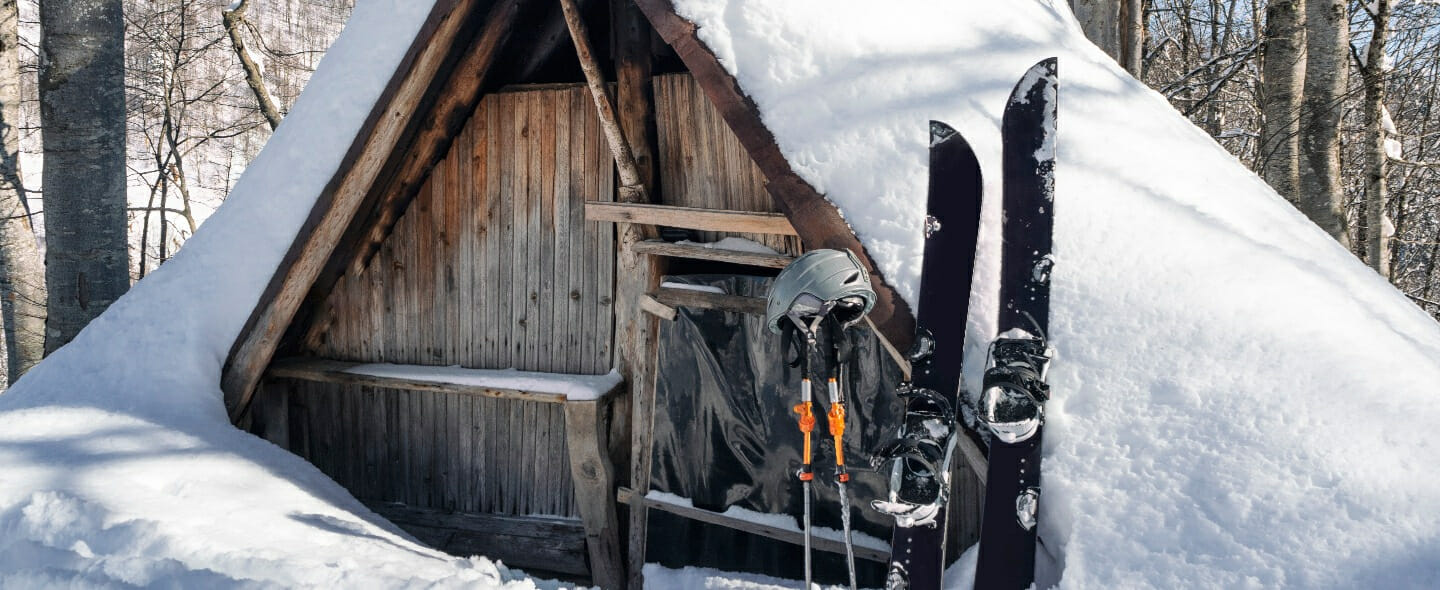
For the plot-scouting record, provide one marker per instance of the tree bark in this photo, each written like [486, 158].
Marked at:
[233, 19]
[1376, 159]
[1327, 48]
[1281, 87]
[1132, 38]
[22, 277]
[82, 118]
[1100, 19]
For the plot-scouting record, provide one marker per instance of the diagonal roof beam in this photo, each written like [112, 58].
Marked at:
[815, 219]
[404, 131]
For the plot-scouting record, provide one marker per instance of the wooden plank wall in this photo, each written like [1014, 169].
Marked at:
[492, 266]
[702, 163]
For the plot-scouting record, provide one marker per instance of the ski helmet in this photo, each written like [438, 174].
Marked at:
[815, 283]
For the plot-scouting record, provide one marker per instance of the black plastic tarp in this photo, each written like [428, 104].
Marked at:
[726, 435]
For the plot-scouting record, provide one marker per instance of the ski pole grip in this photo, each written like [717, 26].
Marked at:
[807, 425]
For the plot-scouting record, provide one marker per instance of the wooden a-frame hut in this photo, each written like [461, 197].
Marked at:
[490, 215]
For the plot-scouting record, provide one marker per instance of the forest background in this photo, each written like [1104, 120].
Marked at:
[126, 122]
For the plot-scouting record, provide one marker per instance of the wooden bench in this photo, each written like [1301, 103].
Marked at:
[586, 435]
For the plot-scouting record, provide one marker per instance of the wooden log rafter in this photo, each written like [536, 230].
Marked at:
[457, 101]
[456, 98]
[632, 188]
[382, 136]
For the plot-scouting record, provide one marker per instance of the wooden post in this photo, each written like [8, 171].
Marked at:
[594, 478]
[631, 137]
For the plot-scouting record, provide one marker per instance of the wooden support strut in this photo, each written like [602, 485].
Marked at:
[630, 179]
[634, 330]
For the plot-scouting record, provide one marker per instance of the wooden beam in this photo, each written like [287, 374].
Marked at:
[699, 252]
[818, 223]
[594, 477]
[333, 371]
[636, 334]
[793, 537]
[676, 297]
[657, 309]
[619, 148]
[375, 144]
[538, 542]
[456, 102]
[690, 217]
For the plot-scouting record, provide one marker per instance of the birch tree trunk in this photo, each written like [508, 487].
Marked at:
[1377, 253]
[82, 118]
[1281, 87]
[22, 278]
[1100, 19]
[1327, 46]
[1132, 38]
[234, 18]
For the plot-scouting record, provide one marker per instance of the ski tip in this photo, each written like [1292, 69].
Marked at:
[1045, 73]
[940, 131]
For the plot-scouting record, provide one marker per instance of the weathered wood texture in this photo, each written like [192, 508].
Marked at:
[711, 221]
[625, 495]
[551, 544]
[679, 297]
[332, 371]
[697, 252]
[493, 265]
[399, 115]
[703, 164]
[594, 477]
[435, 450]
[818, 222]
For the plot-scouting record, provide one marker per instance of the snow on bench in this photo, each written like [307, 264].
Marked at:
[504, 383]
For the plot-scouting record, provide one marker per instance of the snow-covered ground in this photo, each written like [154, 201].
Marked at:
[1238, 403]
[118, 466]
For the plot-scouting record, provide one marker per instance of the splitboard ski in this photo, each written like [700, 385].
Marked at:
[1012, 400]
[919, 458]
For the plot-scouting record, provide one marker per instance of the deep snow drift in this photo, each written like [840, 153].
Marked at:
[1238, 403]
[118, 466]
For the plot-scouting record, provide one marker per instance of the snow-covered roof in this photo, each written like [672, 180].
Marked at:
[1237, 401]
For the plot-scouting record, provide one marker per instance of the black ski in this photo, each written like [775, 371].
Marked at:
[1014, 391]
[920, 455]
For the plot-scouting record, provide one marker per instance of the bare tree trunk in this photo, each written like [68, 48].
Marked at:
[82, 117]
[22, 277]
[1132, 37]
[233, 19]
[1327, 48]
[1376, 158]
[1282, 82]
[1100, 19]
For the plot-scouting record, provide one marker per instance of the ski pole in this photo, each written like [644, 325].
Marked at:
[807, 425]
[836, 417]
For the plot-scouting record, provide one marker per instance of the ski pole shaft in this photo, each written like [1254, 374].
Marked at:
[836, 417]
[845, 524]
[806, 411]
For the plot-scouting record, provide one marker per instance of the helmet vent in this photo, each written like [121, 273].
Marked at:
[852, 279]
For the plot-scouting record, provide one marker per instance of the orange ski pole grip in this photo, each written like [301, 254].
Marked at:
[807, 425]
